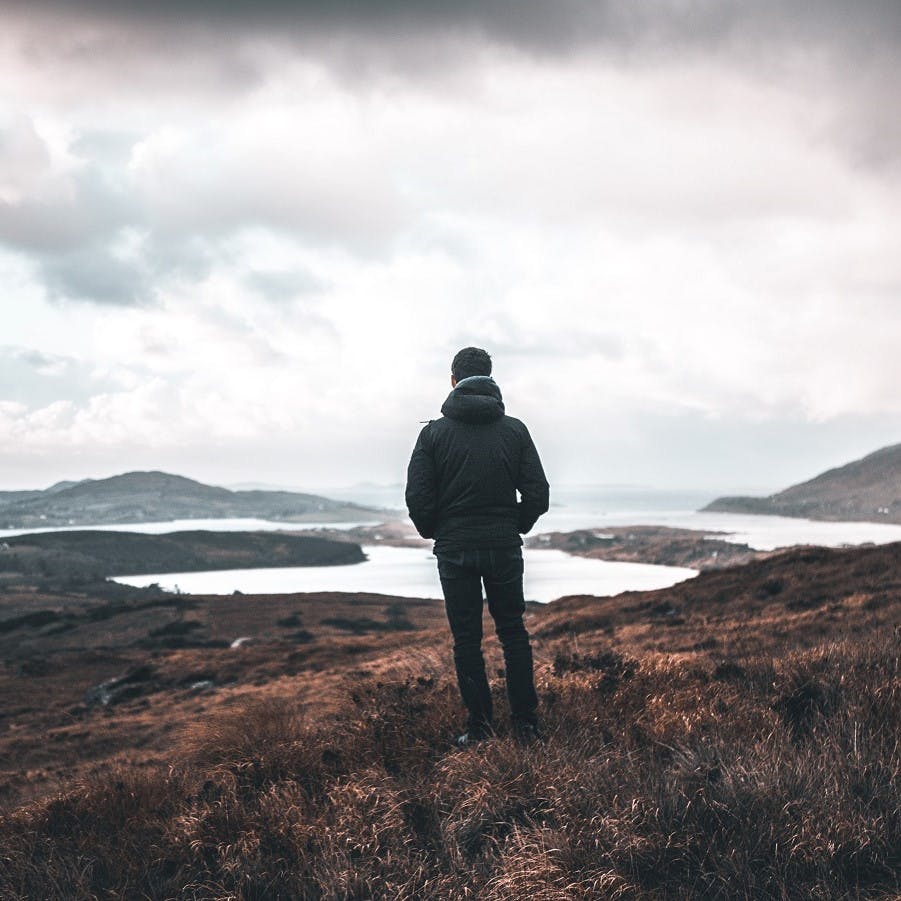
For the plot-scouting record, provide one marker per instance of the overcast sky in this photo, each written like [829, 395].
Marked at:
[244, 246]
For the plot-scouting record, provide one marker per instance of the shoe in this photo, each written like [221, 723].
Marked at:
[467, 739]
[526, 734]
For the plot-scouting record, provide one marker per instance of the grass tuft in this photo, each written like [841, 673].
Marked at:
[658, 778]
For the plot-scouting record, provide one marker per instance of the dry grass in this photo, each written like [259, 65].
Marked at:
[659, 778]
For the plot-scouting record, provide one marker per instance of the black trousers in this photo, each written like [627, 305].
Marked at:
[462, 573]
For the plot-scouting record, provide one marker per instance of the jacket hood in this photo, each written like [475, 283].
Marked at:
[475, 399]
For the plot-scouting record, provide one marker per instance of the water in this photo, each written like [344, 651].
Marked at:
[761, 532]
[601, 506]
[764, 533]
[411, 572]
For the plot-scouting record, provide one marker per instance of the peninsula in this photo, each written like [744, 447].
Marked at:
[867, 490]
[135, 497]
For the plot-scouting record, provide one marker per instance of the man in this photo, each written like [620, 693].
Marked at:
[462, 481]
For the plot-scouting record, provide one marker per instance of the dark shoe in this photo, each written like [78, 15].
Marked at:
[467, 739]
[526, 734]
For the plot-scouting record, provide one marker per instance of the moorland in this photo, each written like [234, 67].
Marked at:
[734, 736]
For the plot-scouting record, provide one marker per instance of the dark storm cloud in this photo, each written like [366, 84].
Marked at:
[847, 51]
[533, 24]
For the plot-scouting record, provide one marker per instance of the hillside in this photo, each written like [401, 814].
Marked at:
[159, 497]
[734, 736]
[867, 490]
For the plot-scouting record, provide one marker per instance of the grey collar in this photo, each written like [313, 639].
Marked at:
[473, 380]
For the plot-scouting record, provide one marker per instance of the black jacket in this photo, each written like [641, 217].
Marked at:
[466, 469]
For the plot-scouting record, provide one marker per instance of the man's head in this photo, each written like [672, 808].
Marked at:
[470, 361]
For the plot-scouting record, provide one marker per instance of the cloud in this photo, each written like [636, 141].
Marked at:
[31, 378]
[508, 337]
[25, 158]
[50, 200]
[97, 276]
[840, 56]
[284, 285]
[66, 214]
[419, 33]
[276, 231]
[113, 218]
[312, 175]
[526, 21]
[360, 168]
[76, 49]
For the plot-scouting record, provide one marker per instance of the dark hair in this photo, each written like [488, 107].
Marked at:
[470, 361]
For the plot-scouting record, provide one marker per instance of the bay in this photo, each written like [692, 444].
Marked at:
[411, 572]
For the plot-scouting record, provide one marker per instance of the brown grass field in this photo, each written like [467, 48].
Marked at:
[737, 736]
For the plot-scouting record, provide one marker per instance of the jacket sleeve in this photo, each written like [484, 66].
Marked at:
[422, 486]
[532, 485]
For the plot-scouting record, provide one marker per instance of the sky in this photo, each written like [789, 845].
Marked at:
[243, 245]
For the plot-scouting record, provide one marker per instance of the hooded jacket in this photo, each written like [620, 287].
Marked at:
[466, 470]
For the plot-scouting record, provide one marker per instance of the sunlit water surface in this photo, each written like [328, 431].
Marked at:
[550, 574]
[411, 572]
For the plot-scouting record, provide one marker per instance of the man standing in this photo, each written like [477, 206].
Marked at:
[462, 482]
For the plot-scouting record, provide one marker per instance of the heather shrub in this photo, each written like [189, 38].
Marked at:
[657, 779]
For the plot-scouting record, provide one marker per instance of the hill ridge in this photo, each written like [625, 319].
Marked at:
[868, 489]
[154, 495]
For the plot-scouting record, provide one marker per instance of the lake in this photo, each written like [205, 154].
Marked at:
[411, 572]
[550, 574]
[761, 532]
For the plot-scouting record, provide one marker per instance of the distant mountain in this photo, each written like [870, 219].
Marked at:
[866, 490]
[12, 497]
[62, 486]
[160, 497]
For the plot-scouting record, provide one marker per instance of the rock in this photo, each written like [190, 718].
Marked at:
[123, 688]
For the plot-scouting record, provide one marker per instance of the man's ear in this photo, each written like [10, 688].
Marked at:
[453, 381]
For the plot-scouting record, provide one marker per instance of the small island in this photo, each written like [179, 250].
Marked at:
[659, 545]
